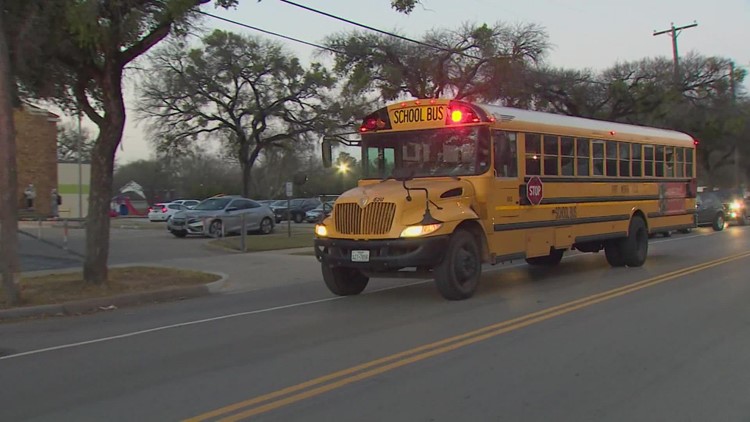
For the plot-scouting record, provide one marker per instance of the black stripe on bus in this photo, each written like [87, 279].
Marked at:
[587, 179]
[585, 199]
[665, 214]
[600, 237]
[555, 223]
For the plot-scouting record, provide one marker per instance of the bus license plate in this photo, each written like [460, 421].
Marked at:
[360, 256]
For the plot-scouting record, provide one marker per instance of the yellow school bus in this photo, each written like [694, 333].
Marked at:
[449, 185]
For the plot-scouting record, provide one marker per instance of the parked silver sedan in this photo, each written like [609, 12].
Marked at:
[223, 215]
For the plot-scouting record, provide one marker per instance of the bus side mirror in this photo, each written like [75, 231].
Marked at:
[327, 153]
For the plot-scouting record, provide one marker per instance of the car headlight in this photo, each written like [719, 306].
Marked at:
[421, 230]
[736, 205]
[321, 230]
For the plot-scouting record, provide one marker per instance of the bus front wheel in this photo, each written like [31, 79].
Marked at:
[457, 276]
[344, 281]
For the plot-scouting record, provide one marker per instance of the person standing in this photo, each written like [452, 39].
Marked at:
[55, 202]
[30, 194]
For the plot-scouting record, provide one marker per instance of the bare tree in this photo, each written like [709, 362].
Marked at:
[245, 91]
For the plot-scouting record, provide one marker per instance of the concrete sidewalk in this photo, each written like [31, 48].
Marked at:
[256, 270]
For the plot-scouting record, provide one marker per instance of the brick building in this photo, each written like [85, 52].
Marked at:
[36, 155]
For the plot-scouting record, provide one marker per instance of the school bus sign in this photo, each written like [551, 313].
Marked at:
[535, 190]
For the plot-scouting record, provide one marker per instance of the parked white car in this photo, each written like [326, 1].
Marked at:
[188, 203]
[164, 211]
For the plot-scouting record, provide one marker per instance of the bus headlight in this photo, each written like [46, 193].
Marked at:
[421, 230]
[321, 230]
[736, 205]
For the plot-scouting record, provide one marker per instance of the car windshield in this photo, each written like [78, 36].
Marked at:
[728, 195]
[213, 204]
[458, 151]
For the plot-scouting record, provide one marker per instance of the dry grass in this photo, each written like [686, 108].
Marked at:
[59, 288]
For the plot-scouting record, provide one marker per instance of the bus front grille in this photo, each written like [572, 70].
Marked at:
[374, 218]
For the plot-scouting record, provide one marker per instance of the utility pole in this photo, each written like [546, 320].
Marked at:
[736, 140]
[674, 32]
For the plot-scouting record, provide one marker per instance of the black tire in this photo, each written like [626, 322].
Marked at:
[266, 226]
[298, 218]
[550, 260]
[634, 248]
[719, 222]
[179, 233]
[214, 230]
[457, 276]
[613, 253]
[344, 281]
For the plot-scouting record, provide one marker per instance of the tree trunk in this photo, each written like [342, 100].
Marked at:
[9, 258]
[102, 167]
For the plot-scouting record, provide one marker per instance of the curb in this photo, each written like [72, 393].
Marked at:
[79, 307]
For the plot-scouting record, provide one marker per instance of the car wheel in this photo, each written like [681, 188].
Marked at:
[298, 218]
[719, 223]
[215, 229]
[179, 233]
[266, 226]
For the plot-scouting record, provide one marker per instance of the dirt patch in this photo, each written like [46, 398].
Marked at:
[67, 287]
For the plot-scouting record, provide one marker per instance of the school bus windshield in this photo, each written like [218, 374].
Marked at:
[455, 151]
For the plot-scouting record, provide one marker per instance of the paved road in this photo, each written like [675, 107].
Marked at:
[668, 341]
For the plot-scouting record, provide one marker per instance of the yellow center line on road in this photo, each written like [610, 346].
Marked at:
[305, 390]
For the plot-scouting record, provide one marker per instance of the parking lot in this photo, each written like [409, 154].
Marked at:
[131, 241]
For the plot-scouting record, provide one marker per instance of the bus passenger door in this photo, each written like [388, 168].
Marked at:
[503, 201]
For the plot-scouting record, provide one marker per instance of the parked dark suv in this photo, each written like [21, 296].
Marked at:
[297, 210]
[710, 211]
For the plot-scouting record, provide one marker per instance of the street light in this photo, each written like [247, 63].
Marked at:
[343, 168]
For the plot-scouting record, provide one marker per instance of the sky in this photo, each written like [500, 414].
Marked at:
[591, 34]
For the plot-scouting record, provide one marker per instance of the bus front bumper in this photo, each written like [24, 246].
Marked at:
[381, 255]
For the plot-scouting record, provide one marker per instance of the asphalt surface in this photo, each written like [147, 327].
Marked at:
[582, 341]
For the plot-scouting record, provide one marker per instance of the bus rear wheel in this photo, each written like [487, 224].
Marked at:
[457, 276]
[550, 260]
[631, 250]
[344, 281]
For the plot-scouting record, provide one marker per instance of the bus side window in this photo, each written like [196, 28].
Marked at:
[506, 153]
[583, 156]
[551, 152]
[624, 159]
[567, 156]
[637, 165]
[669, 157]
[659, 161]
[598, 154]
[611, 158]
[689, 162]
[680, 162]
[533, 154]
[648, 161]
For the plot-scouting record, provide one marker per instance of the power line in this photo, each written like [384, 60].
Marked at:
[380, 31]
[333, 50]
